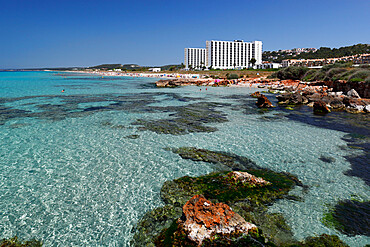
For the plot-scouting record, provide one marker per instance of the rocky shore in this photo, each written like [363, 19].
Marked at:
[353, 97]
[223, 208]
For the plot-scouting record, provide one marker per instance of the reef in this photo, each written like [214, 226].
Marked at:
[247, 191]
[349, 217]
[186, 119]
[60, 107]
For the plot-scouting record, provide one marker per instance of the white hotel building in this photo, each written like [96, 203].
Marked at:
[195, 58]
[224, 55]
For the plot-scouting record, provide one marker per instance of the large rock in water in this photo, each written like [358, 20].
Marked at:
[203, 219]
[256, 94]
[291, 99]
[263, 102]
[320, 107]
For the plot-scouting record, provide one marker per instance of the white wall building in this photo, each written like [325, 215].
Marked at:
[195, 58]
[155, 69]
[233, 54]
[268, 65]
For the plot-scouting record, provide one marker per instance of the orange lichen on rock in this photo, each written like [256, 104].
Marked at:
[202, 219]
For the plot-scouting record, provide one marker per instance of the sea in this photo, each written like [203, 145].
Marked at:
[78, 169]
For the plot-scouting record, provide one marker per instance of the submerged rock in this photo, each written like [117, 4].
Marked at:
[15, 242]
[186, 119]
[327, 159]
[132, 136]
[350, 217]
[223, 159]
[203, 219]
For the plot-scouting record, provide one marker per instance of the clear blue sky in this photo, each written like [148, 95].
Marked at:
[35, 33]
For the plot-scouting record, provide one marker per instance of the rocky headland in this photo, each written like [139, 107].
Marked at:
[225, 208]
[353, 97]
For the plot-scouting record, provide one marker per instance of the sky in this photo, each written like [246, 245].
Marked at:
[63, 33]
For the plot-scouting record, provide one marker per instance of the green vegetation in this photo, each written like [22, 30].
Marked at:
[331, 72]
[253, 61]
[232, 76]
[293, 73]
[323, 52]
[15, 242]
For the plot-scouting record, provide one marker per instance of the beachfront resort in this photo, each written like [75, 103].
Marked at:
[235, 54]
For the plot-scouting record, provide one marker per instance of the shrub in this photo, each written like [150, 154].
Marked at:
[232, 76]
[320, 75]
[359, 75]
[292, 72]
[367, 80]
[333, 72]
[309, 75]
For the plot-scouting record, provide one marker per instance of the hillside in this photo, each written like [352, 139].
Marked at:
[322, 52]
[116, 66]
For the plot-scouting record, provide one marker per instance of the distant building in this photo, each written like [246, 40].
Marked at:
[356, 59]
[195, 58]
[268, 65]
[235, 54]
[155, 69]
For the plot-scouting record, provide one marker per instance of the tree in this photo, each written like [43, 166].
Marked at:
[202, 65]
[253, 61]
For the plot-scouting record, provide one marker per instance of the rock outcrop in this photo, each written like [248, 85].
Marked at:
[263, 102]
[245, 177]
[352, 93]
[203, 219]
[256, 94]
[291, 99]
[320, 107]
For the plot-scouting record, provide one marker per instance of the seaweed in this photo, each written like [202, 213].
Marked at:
[350, 217]
[15, 242]
[186, 119]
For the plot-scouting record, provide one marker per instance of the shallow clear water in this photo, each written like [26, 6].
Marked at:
[76, 179]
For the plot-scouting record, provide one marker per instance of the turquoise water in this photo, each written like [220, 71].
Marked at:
[70, 176]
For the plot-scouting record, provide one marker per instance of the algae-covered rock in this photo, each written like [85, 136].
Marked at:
[349, 217]
[272, 225]
[220, 187]
[15, 242]
[323, 240]
[153, 223]
[233, 161]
